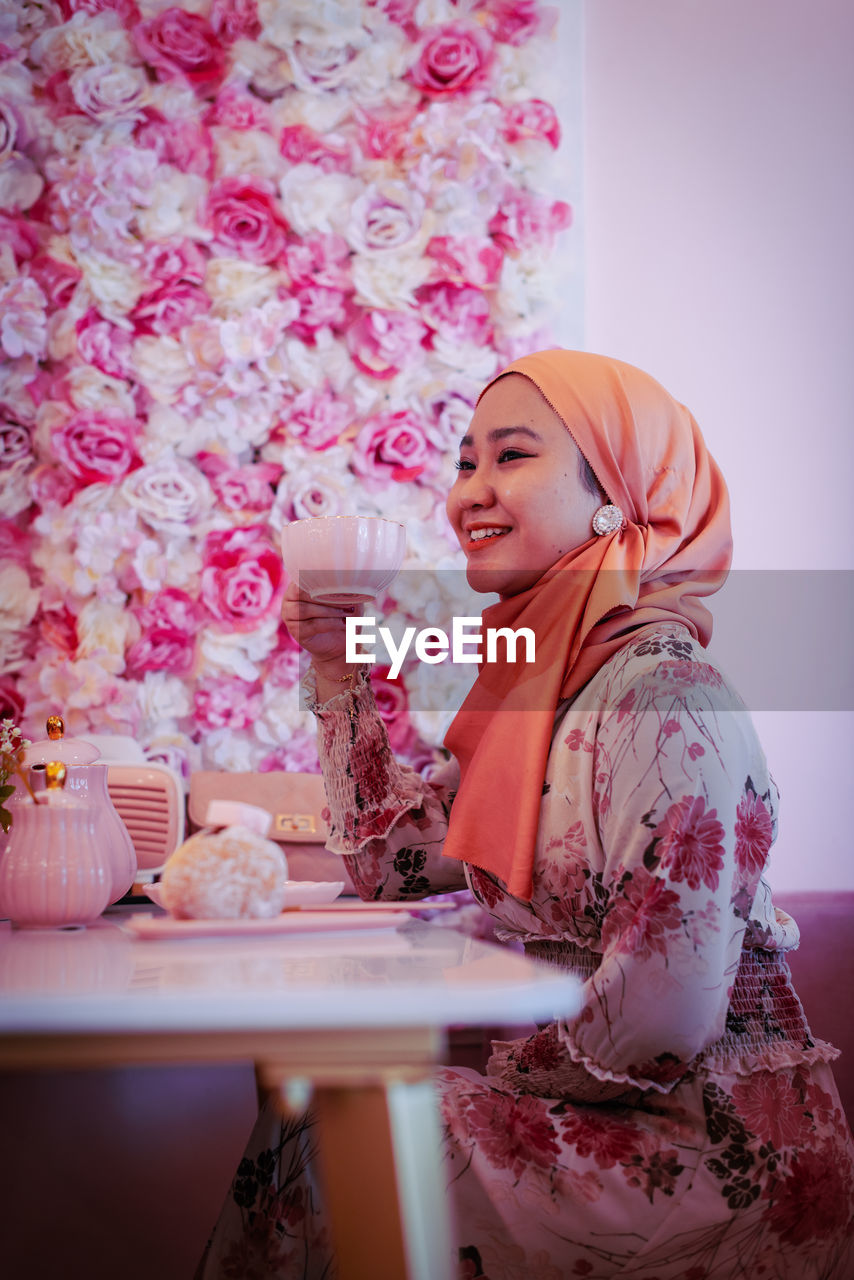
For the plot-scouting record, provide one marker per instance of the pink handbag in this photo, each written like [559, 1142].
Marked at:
[296, 803]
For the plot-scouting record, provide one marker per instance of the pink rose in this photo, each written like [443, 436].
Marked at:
[246, 488]
[126, 9]
[242, 577]
[466, 259]
[516, 21]
[15, 544]
[319, 259]
[385, 135]
[165, 261]
[235, 108]
[381, 343]
[283, 667]
[97, 446]
[50, 486]
[12, 703]
[15, 440]
[58, 628]
[401, 12]
[392, 446]
[320, 308]
[387, 216]
[226, 703]
[181, 45]
[233, 19]
[186, 144]
[14, 134]
[57, 280]
[104, 345]
[301, 145]
[524, 220]
[169, 623]
[169, 308]
[317, 418]
[456, 311]
[243, 215]
[455, 58]
[531, 119]
[20, 236]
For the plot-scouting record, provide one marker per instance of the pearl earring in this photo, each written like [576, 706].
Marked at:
[608, 519]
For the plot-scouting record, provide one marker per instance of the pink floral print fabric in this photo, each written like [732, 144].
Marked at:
[685, 1125]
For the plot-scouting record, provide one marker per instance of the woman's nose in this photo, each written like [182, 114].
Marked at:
[476, 492]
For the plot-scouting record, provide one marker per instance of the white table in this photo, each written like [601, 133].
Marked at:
[356, 1019]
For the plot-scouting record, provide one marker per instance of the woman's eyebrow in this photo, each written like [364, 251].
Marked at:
[500, 433]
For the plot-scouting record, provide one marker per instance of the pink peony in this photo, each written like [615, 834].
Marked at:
[385, 135]
[246, 488]
[236, 108]
[754, 833]
[466, 259]
[525, 220]
[531, 119]
[168, 623]
[186, 144]
[165, 261]
[516, 21]
[226, 703]
[392, 446]
[23, 318]
[320, 308]
[319, 259]
[456, 311]
[242, 577]
[455, 58]
[317, 418]
[127, 10]
[181, 45]
[57, 280]
[381, 343]
[235, 19]
[301, 145]
[690, 843]
[243, 215]
[20, 236]
[169, 308]
[104, 345]
[15, 442]
[50, 486]
[14, 544]
[97, 445]
[58, 628]
[12, 702]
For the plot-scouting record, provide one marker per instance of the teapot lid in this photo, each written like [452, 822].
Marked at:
[56, 747]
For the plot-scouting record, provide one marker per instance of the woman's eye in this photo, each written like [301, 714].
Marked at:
[463, 464]
[508, 455]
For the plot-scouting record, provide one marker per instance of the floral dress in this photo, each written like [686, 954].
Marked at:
[685, 1124]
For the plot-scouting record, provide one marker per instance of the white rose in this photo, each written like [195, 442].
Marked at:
[282, 714]
[314, 484]
[317, 201]
[321, 112]
[169, 494]
[89, 388]
[85, 40]
[163, 698]
[18, 599]
[111, 91]
[105, 628]
[389, 281]
[306, 20]
[162, 366]
[234, 285]
[244, 152]
[228, 750]
[311, 368]
[239, 653]
[174, 209]
[176, 565]
[115, 285]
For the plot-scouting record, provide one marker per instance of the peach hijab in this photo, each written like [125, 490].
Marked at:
[648, 455]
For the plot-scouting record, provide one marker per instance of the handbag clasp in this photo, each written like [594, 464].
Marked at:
[296, 822]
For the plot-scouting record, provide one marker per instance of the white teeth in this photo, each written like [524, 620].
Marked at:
[477, 535]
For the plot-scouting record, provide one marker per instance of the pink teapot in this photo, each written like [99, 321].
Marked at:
[87, 780]
[54, 871]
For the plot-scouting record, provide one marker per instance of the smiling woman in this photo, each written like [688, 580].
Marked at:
[610, 807]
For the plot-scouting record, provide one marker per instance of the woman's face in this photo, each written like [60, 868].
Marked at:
[518, 503]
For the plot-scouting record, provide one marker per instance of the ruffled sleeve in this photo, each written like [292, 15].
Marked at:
[683, 806]
[385, 819]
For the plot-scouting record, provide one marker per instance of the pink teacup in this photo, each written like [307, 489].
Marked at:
[343, 559]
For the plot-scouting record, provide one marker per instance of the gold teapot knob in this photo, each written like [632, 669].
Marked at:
[54, 775]
[55, 726]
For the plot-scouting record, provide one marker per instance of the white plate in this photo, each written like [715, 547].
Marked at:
[305, 921]
[298, 893]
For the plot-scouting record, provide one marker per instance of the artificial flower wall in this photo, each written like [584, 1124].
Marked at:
[256, 261]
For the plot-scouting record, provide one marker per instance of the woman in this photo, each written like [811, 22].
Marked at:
[609, 805]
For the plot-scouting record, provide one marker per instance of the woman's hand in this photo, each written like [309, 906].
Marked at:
[320, 630]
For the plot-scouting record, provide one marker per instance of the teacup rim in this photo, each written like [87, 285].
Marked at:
[384, 519]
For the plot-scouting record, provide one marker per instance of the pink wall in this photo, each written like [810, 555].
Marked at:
[719, 257]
